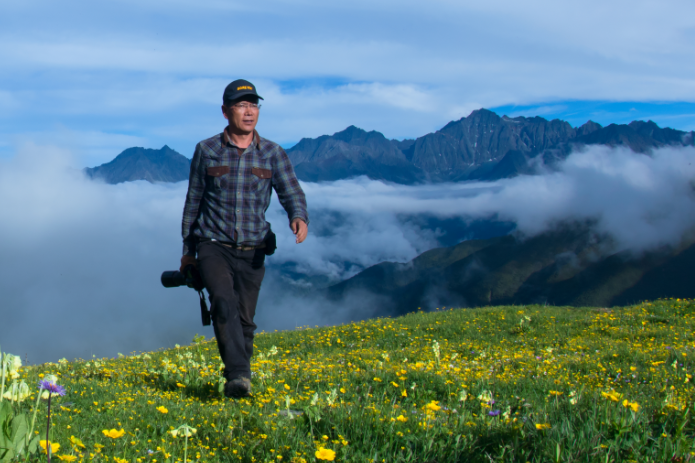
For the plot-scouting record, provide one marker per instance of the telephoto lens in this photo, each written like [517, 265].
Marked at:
[174, 279]
[189, 277]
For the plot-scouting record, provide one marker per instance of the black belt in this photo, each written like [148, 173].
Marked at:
[233, 245]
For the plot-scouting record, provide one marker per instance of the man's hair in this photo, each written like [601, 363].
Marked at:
[250, 98]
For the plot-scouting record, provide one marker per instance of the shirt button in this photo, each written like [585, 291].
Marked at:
[238, 210]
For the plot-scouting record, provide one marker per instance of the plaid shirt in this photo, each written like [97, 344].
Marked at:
[229, 192]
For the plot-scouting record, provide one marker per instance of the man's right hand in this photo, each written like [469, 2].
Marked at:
[187, 260]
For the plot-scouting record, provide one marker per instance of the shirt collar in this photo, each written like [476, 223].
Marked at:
[228, 141]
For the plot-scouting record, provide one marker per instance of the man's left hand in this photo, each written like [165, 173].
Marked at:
[300, 229]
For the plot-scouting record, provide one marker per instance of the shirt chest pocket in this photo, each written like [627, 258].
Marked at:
[261, 173]
[218, 177]
[260, 178]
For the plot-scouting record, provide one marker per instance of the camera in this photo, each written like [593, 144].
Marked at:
[189, 277]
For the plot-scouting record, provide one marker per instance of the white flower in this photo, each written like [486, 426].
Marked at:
[17, 392]
[485, 396]
[183, 430]
[11, 362]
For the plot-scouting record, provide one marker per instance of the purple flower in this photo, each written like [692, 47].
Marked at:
[494, 413]
[51, 387]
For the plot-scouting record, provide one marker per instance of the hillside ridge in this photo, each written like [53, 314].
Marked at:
[569, 266]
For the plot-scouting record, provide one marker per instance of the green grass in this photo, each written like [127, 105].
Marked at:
[568, 384]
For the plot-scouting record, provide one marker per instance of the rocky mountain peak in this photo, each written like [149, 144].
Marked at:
[587, 128]
[162, 165]
[650, 129]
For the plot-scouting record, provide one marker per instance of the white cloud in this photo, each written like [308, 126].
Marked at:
[87, 148]
[642, 201]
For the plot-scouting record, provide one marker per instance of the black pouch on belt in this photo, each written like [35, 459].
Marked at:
[260, 253]
[270, 243]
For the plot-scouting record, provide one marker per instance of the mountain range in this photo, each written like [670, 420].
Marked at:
[482, 146]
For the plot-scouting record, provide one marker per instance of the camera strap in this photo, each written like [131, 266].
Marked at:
[204, 312]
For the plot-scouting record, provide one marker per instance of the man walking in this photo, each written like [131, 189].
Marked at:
[229, 190]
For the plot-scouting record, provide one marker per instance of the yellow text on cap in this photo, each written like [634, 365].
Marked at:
[244, 87]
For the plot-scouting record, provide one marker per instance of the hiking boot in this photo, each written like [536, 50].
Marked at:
[237, 388]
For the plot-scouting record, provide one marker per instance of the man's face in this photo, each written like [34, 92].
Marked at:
[242, 116]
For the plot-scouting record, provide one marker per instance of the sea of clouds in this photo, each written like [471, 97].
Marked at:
[82, 259]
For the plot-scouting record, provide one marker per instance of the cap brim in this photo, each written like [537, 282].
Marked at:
[239, 95]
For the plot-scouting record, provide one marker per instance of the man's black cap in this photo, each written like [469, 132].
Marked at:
[239, 88]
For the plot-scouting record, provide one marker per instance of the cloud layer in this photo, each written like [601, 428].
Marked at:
[82, 259]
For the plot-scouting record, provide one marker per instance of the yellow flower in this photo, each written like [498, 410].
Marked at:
[287, 387]
[543, 426]
[54, 446]
[113, 434]
[120, 460]
[634, 406]
[76, 442]
[404, 393]
[68, 458]
[394, 384]
[402, 418]
[434, 406]
[555, 393]
[325, 454]
[342, 390]
[613, 396]
[180, 385]
[98, 447]
[162, 410]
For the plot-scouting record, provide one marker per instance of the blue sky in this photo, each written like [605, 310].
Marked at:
[94, 78]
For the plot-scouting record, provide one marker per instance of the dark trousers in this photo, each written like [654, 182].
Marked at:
[233, 286]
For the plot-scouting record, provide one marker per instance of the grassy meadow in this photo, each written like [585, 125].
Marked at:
[511, 383]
